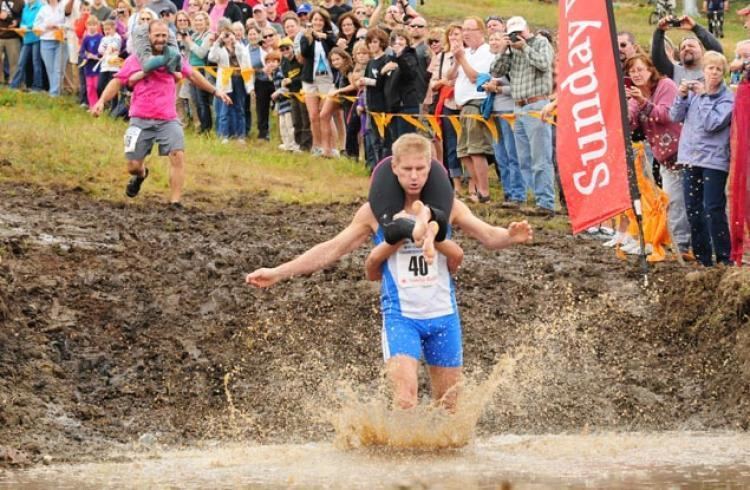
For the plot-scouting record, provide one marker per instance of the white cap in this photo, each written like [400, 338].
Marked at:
[516, 24]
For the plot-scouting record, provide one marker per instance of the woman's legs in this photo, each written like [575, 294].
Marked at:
[313, 109]
[327, 136]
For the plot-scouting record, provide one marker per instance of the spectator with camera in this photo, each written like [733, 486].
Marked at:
[705, 107]
[317, 74]
[231, 57]
[740, 66]
[650, 96]
[528, 64]
[691, 49]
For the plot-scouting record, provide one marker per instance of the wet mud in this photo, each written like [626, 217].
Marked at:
[128, 324]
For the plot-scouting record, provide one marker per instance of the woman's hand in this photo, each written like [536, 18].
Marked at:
[636, 94]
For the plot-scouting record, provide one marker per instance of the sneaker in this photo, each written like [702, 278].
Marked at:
[134, 186]
[335, 154]
[483, 199]
[176, 206]
[224, 141]
[511, 204]
[282, 146]
[616, 240]
[241, 141]
[316, 152]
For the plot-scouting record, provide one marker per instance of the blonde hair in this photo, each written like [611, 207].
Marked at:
[411, 144]
[715, 58]
[740, 45]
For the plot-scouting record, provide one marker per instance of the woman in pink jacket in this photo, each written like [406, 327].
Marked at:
[650, 96]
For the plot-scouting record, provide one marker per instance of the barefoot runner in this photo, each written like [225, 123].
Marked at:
[153, 116]
[420, 316]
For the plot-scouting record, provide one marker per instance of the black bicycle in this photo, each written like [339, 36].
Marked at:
[716, 23]
[662, 8]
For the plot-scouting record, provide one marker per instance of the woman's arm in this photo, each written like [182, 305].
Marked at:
[375, 260]
[452, 252]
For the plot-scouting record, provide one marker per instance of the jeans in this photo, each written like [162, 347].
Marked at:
[352, 124]
[29, 52]
[506, 161]
[52, 54]
[263, 91]
[534, 146]
[450, 142]
[375, 146]
[203, 107]
[706, 205]
[673, 182]
[301, 122]
[230, 121]
[399, 127]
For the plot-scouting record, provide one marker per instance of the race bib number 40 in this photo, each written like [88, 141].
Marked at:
[413, 269]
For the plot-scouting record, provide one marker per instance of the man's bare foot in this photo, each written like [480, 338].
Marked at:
[428, 246]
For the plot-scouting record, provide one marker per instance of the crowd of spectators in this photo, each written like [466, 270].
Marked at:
[348, 77]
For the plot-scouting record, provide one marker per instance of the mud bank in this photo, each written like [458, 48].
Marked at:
[127, 324]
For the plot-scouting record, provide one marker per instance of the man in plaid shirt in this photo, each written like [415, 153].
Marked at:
[528, 64]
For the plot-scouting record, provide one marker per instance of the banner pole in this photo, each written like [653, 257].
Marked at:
[635, 193]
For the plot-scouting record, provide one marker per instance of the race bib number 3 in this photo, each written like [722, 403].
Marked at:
[413, 269]
[131, 138]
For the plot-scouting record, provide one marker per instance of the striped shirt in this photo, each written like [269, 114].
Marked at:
[529, 69]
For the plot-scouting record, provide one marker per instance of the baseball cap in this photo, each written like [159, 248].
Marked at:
[370, 3]
[516, 24]
[286, 42]
[305, 8]
[258, 6]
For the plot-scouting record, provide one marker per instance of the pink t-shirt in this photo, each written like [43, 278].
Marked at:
[155, 96]
[217, 13]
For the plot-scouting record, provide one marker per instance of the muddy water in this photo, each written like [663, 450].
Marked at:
[611, 460]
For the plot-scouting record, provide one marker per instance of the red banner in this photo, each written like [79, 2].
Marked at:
[739, 176]
[591, 129]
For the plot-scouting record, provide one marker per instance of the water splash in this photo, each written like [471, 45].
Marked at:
[362, 419]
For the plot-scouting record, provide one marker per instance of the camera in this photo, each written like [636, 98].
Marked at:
[514, 36]
[674, 22]
[120, 11]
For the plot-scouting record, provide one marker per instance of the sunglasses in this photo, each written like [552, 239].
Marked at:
[418, 26]
[269, 4]
[165, 14]
[285, 48]
[360, 12]
[623, 45]
[268, 36]
[434, 41]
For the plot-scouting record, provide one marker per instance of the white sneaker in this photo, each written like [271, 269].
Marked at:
[225, 141]
[616, 240]
[316, 152]
[282, 146]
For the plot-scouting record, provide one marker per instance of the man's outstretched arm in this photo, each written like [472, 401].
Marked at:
[109, 92]
[321, 255]
[492, 237]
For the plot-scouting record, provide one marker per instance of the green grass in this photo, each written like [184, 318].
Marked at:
[51, 141]
[629, 15]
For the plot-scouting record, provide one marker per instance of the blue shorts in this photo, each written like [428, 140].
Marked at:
[439, 339]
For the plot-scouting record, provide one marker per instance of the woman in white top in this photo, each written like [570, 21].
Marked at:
[50, 22]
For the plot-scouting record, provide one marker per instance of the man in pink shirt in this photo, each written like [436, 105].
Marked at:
[153, 115]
